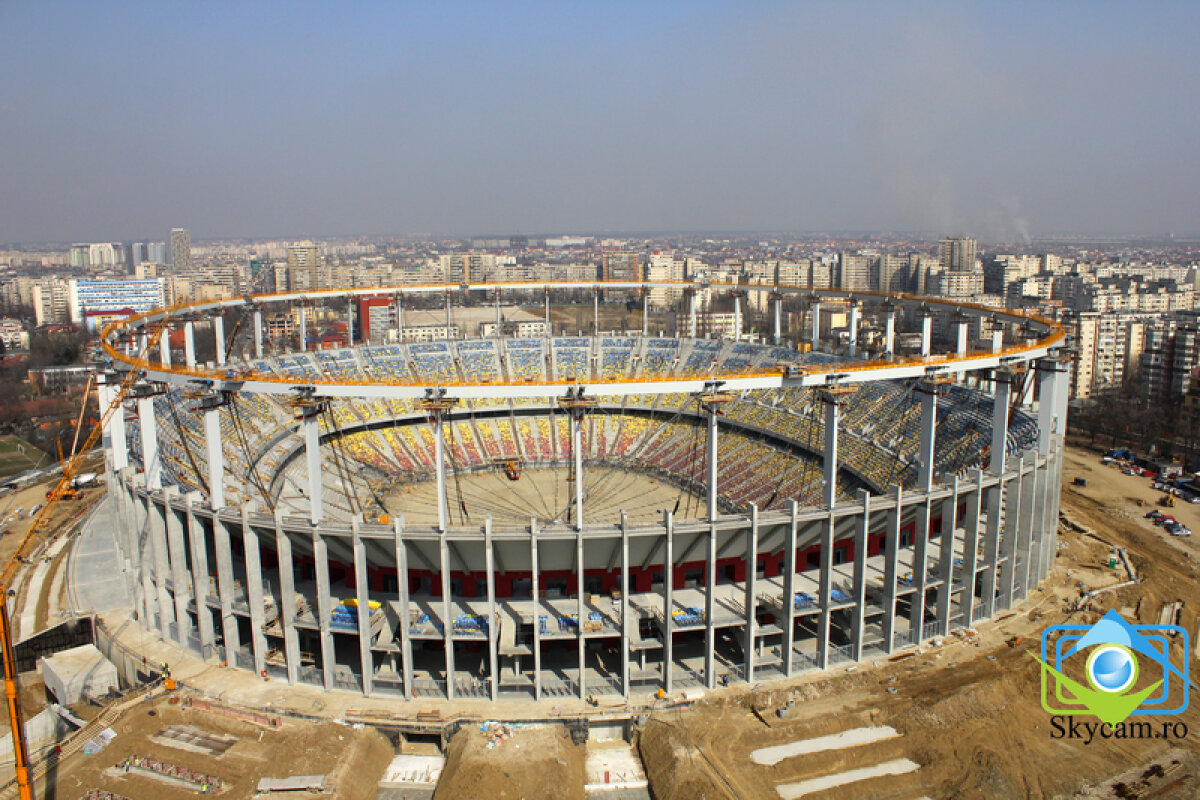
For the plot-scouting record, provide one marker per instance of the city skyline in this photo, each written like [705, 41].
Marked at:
[293, 121]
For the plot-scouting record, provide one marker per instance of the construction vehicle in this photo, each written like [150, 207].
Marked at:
[64, 488]
[1167, 500]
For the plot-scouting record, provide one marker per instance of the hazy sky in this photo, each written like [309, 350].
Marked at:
[120, 120]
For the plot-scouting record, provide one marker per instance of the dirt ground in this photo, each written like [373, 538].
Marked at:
[544, 493]
[355, 757]
[531, 764]
[968, 712]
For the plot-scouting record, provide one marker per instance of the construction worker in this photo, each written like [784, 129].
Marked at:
[166, 670]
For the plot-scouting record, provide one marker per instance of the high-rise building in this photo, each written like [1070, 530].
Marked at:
[958, 253]
[304, 264]
[854, 271]
[181, 250]
[892, 273]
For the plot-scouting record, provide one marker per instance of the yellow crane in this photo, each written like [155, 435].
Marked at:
[61, 489]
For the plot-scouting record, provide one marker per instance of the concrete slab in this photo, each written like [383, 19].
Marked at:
[897, 766]
[613, 765]
[855, 737]
[412, 770]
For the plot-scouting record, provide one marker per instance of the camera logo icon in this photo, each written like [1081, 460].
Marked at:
[1113, 670]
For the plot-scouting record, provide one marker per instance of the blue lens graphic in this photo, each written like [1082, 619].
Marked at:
[1111, 668]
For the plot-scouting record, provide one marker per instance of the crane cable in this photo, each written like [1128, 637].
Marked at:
[187, 448]
[240, 431]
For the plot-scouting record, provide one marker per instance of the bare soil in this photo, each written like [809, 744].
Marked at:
[532, 764]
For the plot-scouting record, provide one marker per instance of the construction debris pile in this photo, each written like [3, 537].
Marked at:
[101, 794]
[495, 733]
[160, 769]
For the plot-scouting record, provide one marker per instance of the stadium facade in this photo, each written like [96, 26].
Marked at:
[835, 502]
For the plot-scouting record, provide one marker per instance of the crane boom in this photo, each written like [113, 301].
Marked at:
[11, 689]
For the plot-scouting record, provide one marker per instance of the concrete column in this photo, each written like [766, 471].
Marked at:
[549, 330]
[961, 337]
[406, 659]
[920, 569]
[577, 454]
[832, 414]
[493, 617]
[581, 610]
[927, 445]
[815, 310]
[189, 343]
[303, 329]
[324, 607]
[537, 612]
[825, 592]
[215, 457]
[312, 452]
[1029, 538]
[789, 592]
[147, 557]
[853, 329]
[149, 433]
[363, 595]
[645, 313]
[119, 435]
[891, 568]
[254, 593]
[889, 332]
[225, 590]
[162, 564]
[164, 346]
[668, 601]
[751, 596]
[447, 612]
[971, 525]
[692, 315]
[286, 602]
[1010, 539]
[859, 590]
[180, 588]
[625, 621]
[596, 313]
[350, 322]
[439, 450]
[258, 334]
[1048, 417]
[1000, 402]
[710, 607]
[991, 549]
[712, 464]
[400, 318]
[926, 332]
[778, 320]
[219, 337]
[105, 394]
[946, 557]
[199, 552]
[500, 319]
[997, 338]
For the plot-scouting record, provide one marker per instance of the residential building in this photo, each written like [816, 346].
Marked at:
[181, 250]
